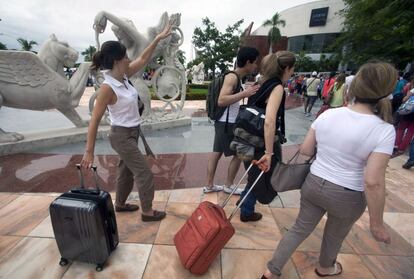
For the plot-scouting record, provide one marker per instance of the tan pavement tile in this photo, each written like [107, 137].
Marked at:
[363, 243]
[177, 215]
[27, 212]
[238, 263]
[289, 199]
[192, 195]
[32, 258]
[128, 261]
[5, 199]
[132, 229]
[402, 223]
[263, 234]
[160, 196]
[395, 204]
[7, 243]
[353, 266]
[286, 217]
[165, 263]
[44, 229]
[388, 267]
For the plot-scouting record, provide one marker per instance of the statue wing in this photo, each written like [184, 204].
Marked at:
[154, 31]
[24, 68]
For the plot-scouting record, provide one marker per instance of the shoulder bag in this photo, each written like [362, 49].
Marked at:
[290, 176]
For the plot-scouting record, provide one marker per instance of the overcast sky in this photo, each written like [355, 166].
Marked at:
[72, 20]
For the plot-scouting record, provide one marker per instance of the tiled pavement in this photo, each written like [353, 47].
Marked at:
[28, 249]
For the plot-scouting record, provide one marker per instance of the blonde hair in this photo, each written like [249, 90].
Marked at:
[274, 65]
[372, 84]
[341, 79]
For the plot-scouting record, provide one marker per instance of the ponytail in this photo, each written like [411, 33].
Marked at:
[383, 110]
[110, 52]
[97, 61]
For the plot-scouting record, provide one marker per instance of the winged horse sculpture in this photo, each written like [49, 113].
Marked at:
[37, 82]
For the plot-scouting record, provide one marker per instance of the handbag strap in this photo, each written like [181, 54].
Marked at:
[296, 156]
[266, 91]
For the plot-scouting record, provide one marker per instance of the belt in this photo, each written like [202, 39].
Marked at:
[347, 189]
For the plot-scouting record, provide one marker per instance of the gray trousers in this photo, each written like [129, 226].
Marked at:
[318, 196]
[133, 167]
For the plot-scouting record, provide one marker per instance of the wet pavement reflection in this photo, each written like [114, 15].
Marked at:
[57, 173]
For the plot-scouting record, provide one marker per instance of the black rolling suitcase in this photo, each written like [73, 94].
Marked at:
[84, 224]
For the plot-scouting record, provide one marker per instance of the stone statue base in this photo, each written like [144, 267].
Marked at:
[57, 137]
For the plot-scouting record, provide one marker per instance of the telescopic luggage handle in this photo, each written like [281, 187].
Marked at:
[245, 196]
[95, 176]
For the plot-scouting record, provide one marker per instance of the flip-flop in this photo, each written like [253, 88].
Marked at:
[337, 271]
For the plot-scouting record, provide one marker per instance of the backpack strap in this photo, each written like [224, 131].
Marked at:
[238, 86]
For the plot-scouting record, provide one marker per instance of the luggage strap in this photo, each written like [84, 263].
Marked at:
[95, 176]
[245, 196]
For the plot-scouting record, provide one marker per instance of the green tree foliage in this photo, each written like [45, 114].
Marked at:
[379, 29]
[181, 56]
[25, 44]
[216, 49]
[2, 46]
[274, 33]
[88, 53]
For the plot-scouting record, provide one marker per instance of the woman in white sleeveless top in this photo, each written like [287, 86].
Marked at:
[121, 99]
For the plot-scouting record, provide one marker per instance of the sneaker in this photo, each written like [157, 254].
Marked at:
[308, 115]
[215, 188]
[408, 165]
[228, 190]
[256, 216]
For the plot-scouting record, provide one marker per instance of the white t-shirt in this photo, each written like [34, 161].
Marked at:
[125, 111]
[345, 139]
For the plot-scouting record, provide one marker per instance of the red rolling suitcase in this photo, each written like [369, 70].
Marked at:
[205, 233]
[84, 224]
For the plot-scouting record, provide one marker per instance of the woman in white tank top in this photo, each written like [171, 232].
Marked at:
[121, 99]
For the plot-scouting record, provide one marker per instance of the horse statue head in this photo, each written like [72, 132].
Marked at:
[57, 54]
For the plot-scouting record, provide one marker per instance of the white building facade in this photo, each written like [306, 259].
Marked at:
[310, 27]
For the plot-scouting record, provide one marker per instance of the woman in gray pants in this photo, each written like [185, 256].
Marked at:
[354, 145]
[121, 99]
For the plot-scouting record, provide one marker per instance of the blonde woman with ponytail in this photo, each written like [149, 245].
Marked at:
[275, 70]
[354, 145]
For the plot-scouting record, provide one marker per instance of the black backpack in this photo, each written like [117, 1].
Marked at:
[214, 111]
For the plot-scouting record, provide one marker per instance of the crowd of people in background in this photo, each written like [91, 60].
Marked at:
[333, 90]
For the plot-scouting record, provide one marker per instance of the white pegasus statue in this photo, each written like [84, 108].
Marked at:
[197, 71]
[37, 82]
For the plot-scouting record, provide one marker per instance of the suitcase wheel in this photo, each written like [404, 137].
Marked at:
[63, 262]
[99, 267]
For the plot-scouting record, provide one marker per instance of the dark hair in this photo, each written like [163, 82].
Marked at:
[105, 58]
[246, 54]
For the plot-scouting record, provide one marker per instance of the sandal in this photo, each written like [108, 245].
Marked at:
[126, 207]
[157, 216]
[337, 270]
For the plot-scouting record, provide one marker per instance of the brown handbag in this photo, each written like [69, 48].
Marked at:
[290, 176]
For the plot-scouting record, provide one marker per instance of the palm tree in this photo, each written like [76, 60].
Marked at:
[3, 46]
[88, 53]
[274, 33]
[26, 45]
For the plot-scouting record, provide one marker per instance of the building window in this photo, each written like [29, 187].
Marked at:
[315, 43]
